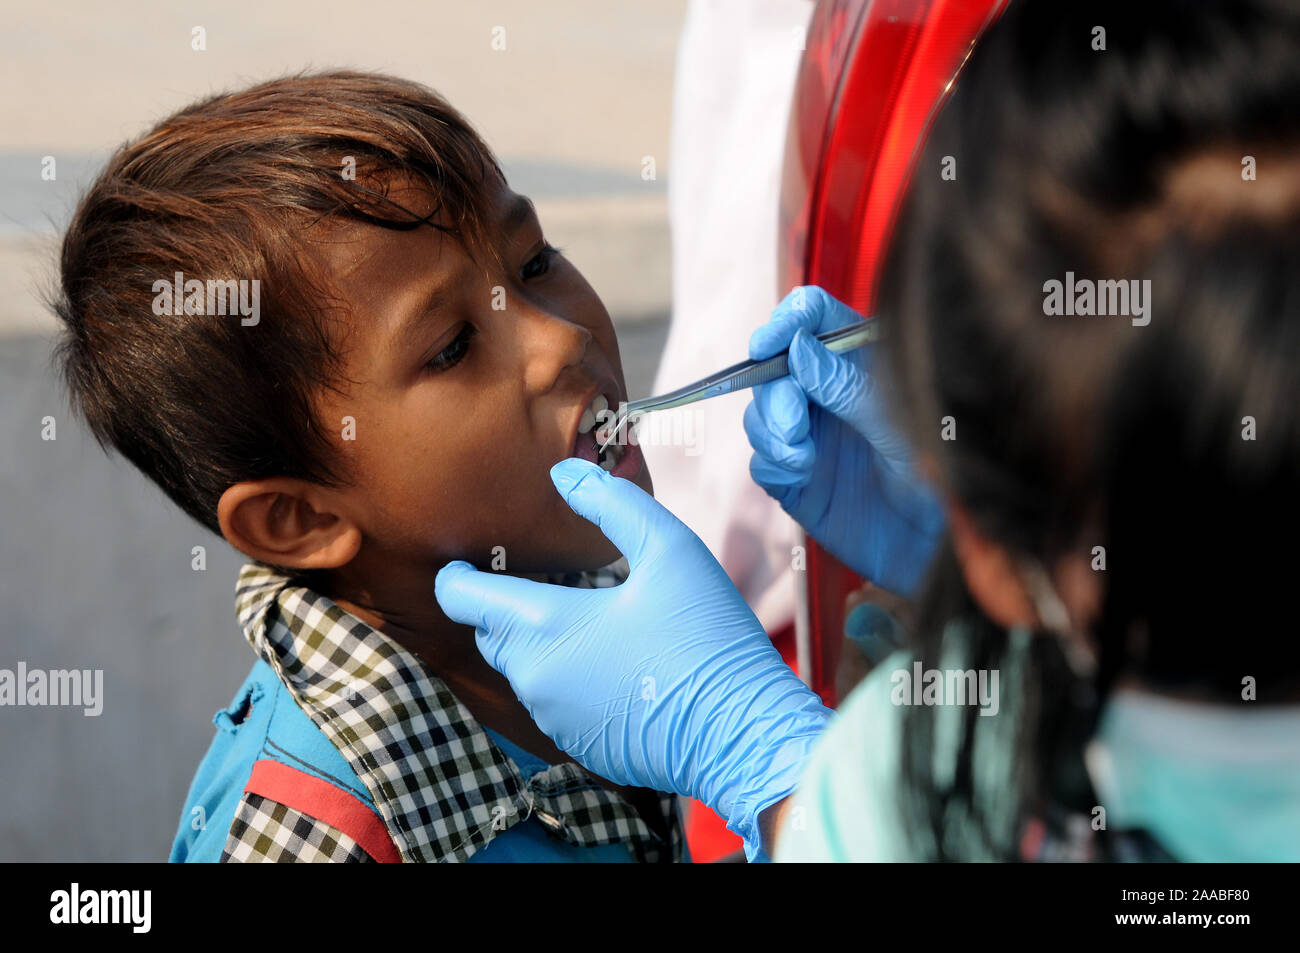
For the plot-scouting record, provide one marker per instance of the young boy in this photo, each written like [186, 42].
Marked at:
[316, 315]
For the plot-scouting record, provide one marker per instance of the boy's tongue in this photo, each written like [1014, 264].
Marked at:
[584, 448]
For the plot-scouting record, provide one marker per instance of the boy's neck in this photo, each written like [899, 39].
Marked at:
[406, 610]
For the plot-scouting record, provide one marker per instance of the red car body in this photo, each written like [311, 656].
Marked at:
[873, 75]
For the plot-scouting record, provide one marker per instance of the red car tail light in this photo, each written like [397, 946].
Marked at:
[873, 76]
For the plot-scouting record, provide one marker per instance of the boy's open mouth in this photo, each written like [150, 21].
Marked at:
[622, 458]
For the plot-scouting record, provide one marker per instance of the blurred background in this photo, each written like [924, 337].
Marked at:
[94, 561]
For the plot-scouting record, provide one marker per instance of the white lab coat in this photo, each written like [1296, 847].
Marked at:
[735, 72]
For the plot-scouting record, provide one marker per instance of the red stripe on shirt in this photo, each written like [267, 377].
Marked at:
[309, 794]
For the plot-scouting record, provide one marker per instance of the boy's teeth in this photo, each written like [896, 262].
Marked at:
[594, 413]
[607, 463]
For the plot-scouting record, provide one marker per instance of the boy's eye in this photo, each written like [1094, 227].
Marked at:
[540, 263]
[452, 354]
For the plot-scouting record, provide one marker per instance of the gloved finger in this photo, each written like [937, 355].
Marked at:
[797, 455]
[875, 631]
[787, 317]
[631, 519]
[843, 386]
[840, 384]
[777, 481]
[808, 307]
[502, 609]
[831, 380]
[783, 407]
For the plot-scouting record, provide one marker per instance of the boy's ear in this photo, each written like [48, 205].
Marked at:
[287, 522]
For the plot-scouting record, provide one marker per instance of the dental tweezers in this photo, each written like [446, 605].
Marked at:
[740, 376]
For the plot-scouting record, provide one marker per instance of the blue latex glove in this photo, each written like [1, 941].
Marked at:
[666, 681]
[824, 449]
[875, 632]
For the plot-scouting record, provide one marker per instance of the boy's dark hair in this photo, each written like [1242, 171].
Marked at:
[219, 191]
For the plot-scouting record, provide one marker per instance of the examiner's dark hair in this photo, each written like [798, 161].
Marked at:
[1075, 432]
[222, 190]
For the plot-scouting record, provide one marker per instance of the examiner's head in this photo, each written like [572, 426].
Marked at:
[1121, 480]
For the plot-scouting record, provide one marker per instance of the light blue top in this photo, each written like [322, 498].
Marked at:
[1208, 782]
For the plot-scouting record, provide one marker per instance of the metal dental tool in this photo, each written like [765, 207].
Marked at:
[740, 376]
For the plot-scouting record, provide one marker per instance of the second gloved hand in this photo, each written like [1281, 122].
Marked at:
[825, 450]
[666, 681]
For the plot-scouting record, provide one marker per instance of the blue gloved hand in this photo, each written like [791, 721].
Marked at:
[824, 449]
[666, 681]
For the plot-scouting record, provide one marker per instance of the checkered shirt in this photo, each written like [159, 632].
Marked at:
[443, 788]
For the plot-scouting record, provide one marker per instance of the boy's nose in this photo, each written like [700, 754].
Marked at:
[551, 344]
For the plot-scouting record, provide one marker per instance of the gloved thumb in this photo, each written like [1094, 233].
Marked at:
[631, 519]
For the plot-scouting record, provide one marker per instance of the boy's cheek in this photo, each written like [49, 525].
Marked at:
[545, 538]
[484, 514]
[564, 542]
[591, 550]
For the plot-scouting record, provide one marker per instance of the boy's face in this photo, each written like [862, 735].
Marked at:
[466, 388]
